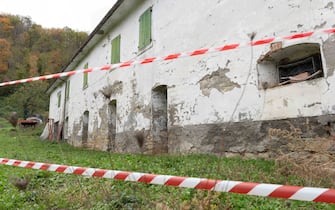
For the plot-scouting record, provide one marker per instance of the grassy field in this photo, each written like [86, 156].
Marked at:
[49, 190]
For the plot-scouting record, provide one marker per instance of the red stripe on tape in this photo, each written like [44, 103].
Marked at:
[79, 171]
[172, 56]
[61, 169]
[175, 181]
[228, 47]
[298, 36]
[285, 191]
[99, 173]
[55, 76]
[4, 161]
[30, 165]
[16, 163]
[45, 167]
[243, 187]
[105, 68]
[328, 196]
[207, 184]
[199, 52]
[147, 178]
[42, 78]
[332, 30]
[148, 60]
[121, 175]
[260, 42]
[71, 73]
[128, 63]
[88, 70]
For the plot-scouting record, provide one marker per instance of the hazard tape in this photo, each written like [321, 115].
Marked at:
[172, 56]
[249, 188]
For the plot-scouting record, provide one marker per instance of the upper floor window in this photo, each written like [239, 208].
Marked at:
[292, 64]
[85, 77]
[67, 88]
[145, 29]
[59, 97]
[115, 58]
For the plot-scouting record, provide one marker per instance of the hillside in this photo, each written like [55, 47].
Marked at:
[26, 50]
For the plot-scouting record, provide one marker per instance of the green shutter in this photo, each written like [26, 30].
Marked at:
[59, 99]
[85, 79]
[68, 89]
[116, 49]
[145, 29]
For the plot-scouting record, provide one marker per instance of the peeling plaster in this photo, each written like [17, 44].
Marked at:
[329, 54]
[218, 80]
[173, 114]
[115, 88]
[330, 5]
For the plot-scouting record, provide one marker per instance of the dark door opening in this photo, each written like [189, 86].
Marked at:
[159, 119]
[112, 126]
[85, 128]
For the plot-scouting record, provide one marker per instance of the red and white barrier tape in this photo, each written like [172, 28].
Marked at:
[248, 188]
[172, 56]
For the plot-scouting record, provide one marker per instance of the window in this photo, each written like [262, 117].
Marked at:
[115, 58]
[67, 88]
[85, 77]
[145, 29]
[292, 64]
[59, 96]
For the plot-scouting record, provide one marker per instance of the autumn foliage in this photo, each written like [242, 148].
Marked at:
[27, 50]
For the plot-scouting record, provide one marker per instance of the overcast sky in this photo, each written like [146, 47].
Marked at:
[82, 15]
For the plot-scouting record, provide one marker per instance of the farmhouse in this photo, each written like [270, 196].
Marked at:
[212, 103]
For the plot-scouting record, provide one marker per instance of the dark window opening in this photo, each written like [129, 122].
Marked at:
[112, 125]
[301, 70]
[85, 128]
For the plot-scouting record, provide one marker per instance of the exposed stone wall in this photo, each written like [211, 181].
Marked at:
[247, 138]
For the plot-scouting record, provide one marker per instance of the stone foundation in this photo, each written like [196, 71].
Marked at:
[263, 139]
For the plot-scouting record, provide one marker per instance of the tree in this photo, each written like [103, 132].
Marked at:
[29, 99]
[4, 55]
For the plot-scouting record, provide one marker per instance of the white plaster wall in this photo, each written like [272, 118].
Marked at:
[180, 26]
[55, 111]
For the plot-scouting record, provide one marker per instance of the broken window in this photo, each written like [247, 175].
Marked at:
[301, 70]
[297, 63]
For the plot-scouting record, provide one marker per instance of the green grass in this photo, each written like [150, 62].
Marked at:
[49, 190]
